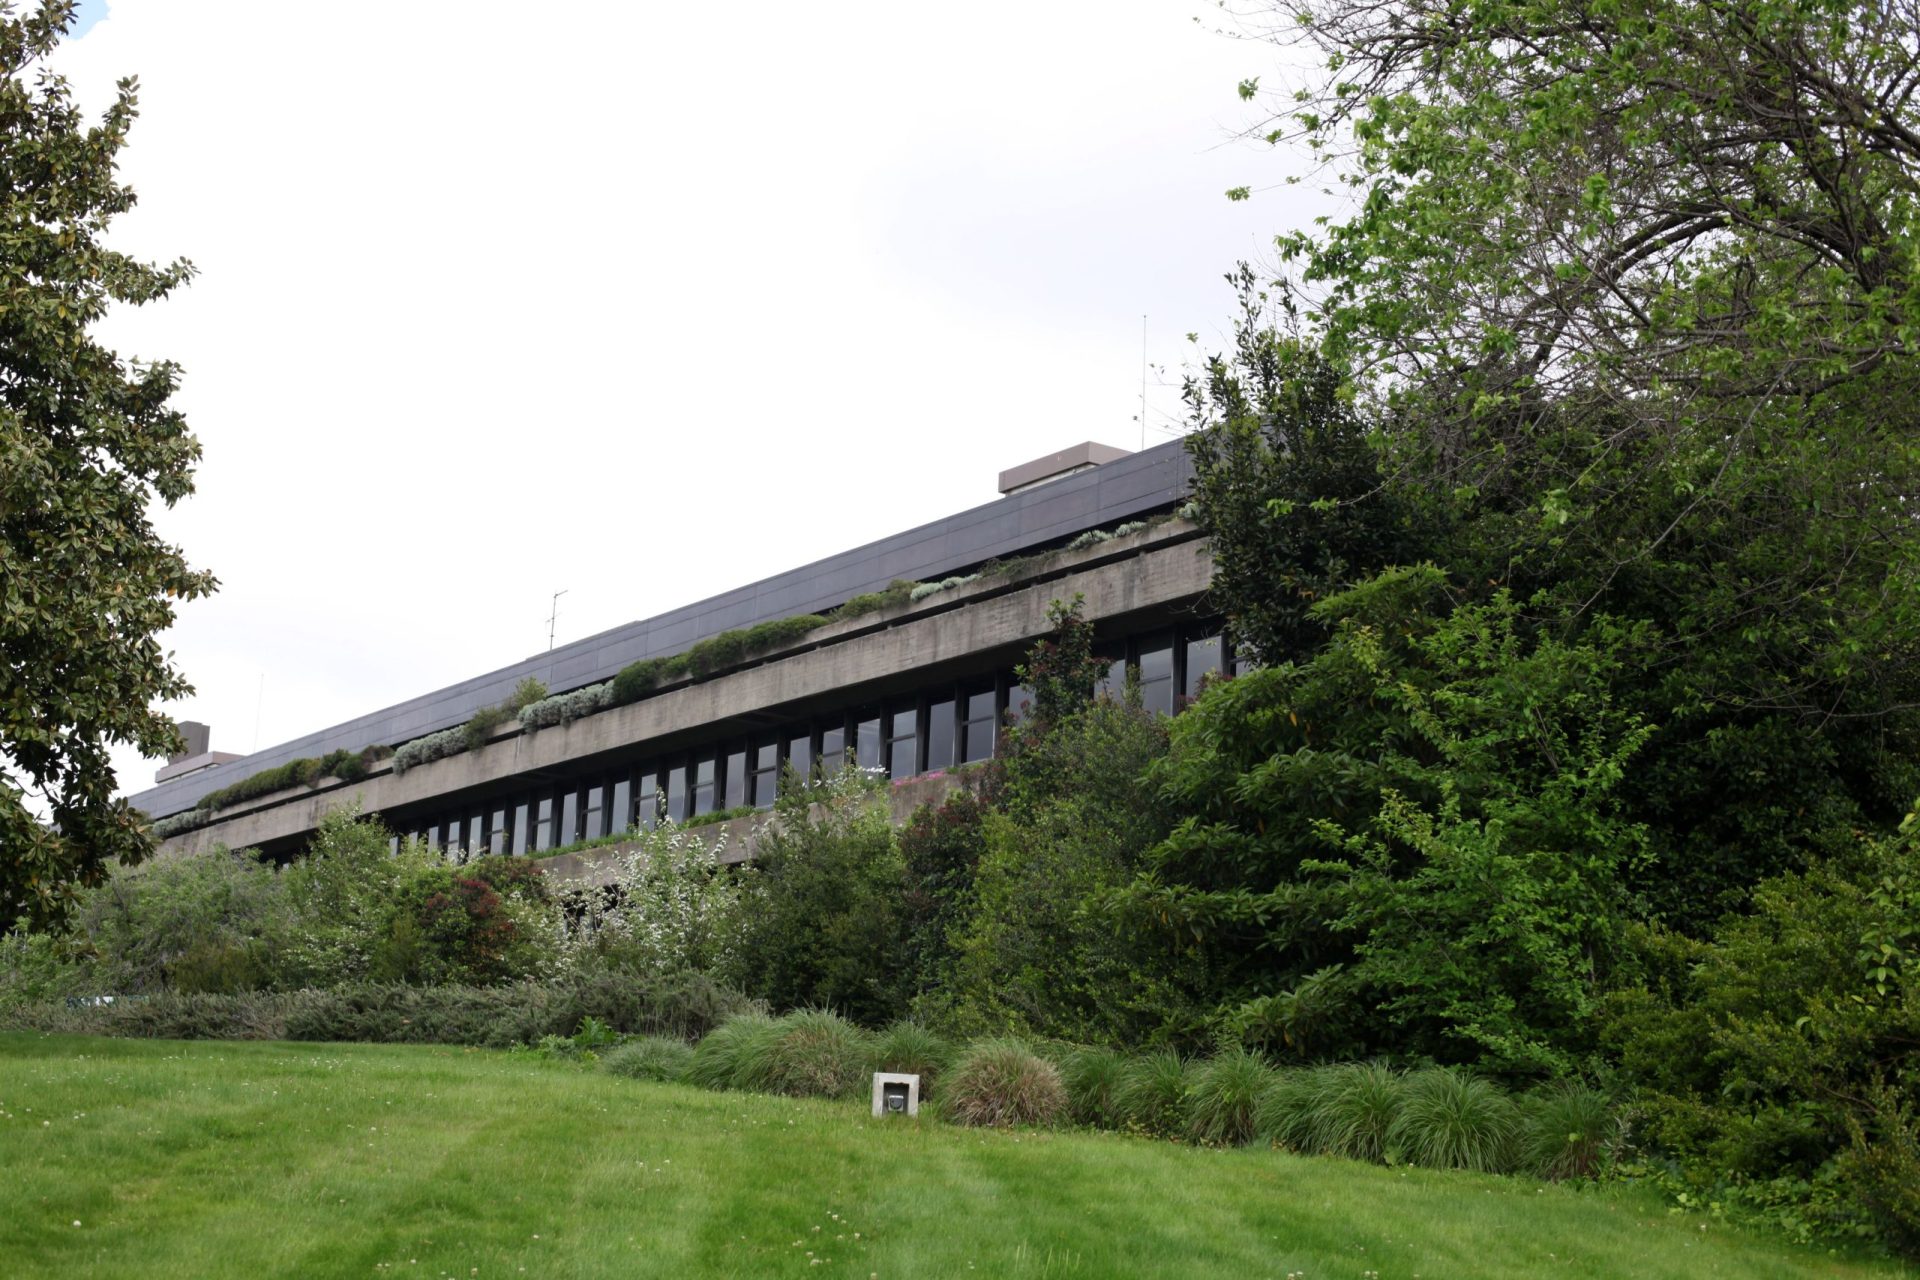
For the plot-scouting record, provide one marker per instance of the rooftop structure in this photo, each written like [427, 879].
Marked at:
[915, 678]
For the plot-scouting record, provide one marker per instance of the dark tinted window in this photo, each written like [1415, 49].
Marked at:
[520, 828]
[593, 822]
[622, 808]
[569, 830]
[1203, 660]
[833, 751]
[497, 832]
[702, 787]
[1156, 675]
[766, 774]
[976, 738]
[647, 807]
[903, 744]
[736, 780]
[939, 736]
[543, 825]
[676, 794]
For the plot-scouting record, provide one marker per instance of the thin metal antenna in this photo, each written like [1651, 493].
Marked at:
[552, 617]
[1143, 382]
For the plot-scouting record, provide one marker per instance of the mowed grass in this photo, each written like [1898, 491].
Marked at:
[163, 1158]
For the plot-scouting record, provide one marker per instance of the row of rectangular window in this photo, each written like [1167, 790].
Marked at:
[904, 737]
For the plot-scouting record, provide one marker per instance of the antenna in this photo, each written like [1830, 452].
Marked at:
[259, 698]
[1143, 382]
[551, 617]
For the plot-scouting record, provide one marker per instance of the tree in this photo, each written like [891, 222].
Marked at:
[1628, 294]
[87, 440]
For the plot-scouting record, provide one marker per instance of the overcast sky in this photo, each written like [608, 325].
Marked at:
[638, 301]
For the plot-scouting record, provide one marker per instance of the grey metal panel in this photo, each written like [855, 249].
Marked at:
[1106, 495]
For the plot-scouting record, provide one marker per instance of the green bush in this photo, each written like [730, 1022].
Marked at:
[213, 922]
[1153, 1093]
[1094, 1077]
[1003, 1082]
[896, 593]
[821, 923]
[1225, 1095]
[165, 1015]
[737, 1054]
[1567, 1130]
[1452, 1119]
[910, 1049]
[1352, 1110]
[820, 1055]
[661, 1058]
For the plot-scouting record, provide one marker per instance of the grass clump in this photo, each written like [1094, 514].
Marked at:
[1153, 1093]
[1004, 1082]
[662, 1058]
[910, 1049]
[1354, 1109]
[1567, 1130]
[1224, 1097]
[1450, 1119]
[737, 1054]
[1093, 1077]
[818, 1054]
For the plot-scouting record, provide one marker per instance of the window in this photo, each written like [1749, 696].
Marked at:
[766, 774]
[593, 823]
[676, 810]
[940, 736]
[867, 741]
[1205, 657]
[703, 786]
[1019, 703]
[476, 833]
[543, 826]
[800, 757]
[833, 751]
[648, 805]
[1113, 682]
[1156, 674]
[497, 831]
[976, 737]
[621, 811]
[903, 743]
[736, 780]
[569, 818]
[520, 828]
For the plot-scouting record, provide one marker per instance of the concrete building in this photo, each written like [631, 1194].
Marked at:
[914, 687]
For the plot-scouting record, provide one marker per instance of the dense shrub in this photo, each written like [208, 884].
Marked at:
[1224, 1097]
[660, 1058]
[165, 1015]
[348, 766]
[1003, 1082]
[820, 1055]
[895, 594]
[911, 1049]
[672, 906]
[1153, 1093]
[213, 922]
[821, 924]
[683, 1005]
[940, 850]
[1452, 1119]
[565, 708]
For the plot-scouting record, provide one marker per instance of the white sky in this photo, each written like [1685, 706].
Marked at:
[643, 302]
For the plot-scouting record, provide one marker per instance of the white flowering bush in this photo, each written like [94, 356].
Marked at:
[925, 589]
[447, 742]
[565, 708]
[672, 907]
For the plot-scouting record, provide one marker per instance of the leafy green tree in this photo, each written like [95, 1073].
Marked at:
[87, 441]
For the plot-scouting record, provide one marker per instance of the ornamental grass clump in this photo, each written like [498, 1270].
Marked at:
[660, 1058]
[818, 1054]
[1225, 1095]
[1004, 1082]
[1567, 1130]
[737, 1054]
[1353, 1110]
[1450, 1119]
[908, 1048]
[1285, 1116]
[1153, 1093]
[1093, 1078]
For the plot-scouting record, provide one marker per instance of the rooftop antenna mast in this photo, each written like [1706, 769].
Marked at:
[552, 617]
[1143, 382]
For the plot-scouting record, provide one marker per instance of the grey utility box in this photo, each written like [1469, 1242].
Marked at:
[895, 1095]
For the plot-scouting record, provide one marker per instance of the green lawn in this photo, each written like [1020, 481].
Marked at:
[163, 1158]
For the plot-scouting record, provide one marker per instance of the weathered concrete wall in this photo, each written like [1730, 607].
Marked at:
[1154, 569]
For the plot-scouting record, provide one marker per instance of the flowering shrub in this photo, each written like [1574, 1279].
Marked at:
[671, 906]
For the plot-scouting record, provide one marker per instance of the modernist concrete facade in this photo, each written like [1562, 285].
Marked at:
[913, 689]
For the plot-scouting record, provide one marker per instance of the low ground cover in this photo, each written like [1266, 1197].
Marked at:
[159, 1158]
